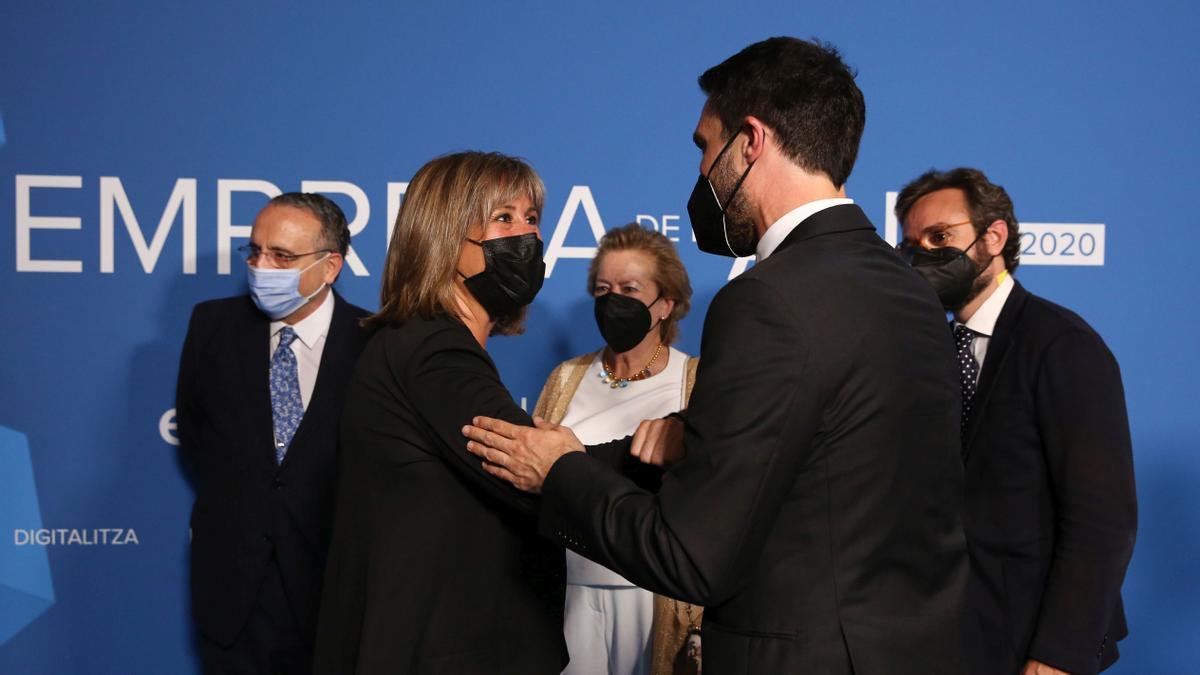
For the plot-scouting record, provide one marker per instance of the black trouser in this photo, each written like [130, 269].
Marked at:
[269, 644]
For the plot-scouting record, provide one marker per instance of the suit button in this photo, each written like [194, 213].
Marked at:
[266, 539]
[278, 484]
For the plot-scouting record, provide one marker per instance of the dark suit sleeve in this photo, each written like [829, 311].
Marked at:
[616, 454]
[449, 380]
[697, 539]
[1083, 424]
[187, 409]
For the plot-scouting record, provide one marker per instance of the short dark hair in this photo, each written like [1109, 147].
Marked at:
[802, 91]
[335, 233]
[986, 203]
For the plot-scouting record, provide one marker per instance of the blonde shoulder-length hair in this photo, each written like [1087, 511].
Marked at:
[446, 199]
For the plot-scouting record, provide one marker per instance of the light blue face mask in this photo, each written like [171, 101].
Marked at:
[277, 291]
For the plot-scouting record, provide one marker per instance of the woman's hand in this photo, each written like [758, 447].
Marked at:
[659, 442]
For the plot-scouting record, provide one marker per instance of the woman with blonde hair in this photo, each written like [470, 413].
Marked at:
[641, 291]
[434, 565]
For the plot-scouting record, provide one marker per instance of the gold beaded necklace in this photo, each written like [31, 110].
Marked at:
[608, 376]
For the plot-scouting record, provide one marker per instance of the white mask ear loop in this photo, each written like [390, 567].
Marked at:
[724, 221]
[323, 284]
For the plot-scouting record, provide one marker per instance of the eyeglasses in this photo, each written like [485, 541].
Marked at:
[280, 258]
[931, 238]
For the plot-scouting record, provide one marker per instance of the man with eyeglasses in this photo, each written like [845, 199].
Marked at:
[1051, 512]
[261, 385]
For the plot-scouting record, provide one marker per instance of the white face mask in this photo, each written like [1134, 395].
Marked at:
[277, 291]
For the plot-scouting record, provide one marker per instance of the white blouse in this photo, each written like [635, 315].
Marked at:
[598, 413]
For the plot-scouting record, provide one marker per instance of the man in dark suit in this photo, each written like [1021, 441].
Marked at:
[261, 386]
[816, 513]
[1051, 512]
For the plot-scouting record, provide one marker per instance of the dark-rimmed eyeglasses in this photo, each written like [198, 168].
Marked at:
[931, 238]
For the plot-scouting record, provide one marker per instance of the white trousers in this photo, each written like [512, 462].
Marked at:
[607, 629]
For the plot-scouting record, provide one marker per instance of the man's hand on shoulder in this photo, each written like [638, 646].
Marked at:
[518, 454]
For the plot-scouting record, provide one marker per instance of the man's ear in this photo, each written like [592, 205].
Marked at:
[756, 132]
[995, 237]
[333, 267]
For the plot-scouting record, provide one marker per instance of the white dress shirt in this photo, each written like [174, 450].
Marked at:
[983, 321]
[780, 229]
[309, 344]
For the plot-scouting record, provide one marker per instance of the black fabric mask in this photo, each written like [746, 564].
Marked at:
[708, 215]
[623, 321]
[512, 275]
[949, 270]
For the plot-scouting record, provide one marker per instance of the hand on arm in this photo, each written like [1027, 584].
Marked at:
[659, 441]
[457, 380]
[518, 454]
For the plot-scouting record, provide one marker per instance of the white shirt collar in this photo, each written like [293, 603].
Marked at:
[312, 327]
[780, 229]
[983, 321]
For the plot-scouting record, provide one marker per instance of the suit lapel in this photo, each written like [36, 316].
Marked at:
[998, 349]
[254, 347]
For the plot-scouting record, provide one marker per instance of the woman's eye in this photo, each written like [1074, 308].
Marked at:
[503, 218]
[532, 220]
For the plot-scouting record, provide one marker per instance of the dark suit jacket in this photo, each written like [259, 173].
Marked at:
[817, 514]
[247, 506]
[435, 566]
[1051, 512]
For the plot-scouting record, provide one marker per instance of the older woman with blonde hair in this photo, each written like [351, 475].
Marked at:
[641, 291]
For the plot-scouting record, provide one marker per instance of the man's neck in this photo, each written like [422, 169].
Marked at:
[795, 188]
[968, 310]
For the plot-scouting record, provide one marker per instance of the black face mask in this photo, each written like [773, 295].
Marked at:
[949, 270]
[512, 275]
[708, 215]
[623, 321]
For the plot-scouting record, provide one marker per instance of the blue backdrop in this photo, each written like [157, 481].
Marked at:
[136, 145]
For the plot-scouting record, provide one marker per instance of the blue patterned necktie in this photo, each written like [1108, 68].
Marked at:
[968, 370]
[287, 408]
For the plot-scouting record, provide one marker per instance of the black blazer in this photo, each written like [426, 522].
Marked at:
[1051, 510]
[817, 514]
[247, 506]
[435, 566]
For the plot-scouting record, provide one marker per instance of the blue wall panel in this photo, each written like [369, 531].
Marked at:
[1086, 112]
